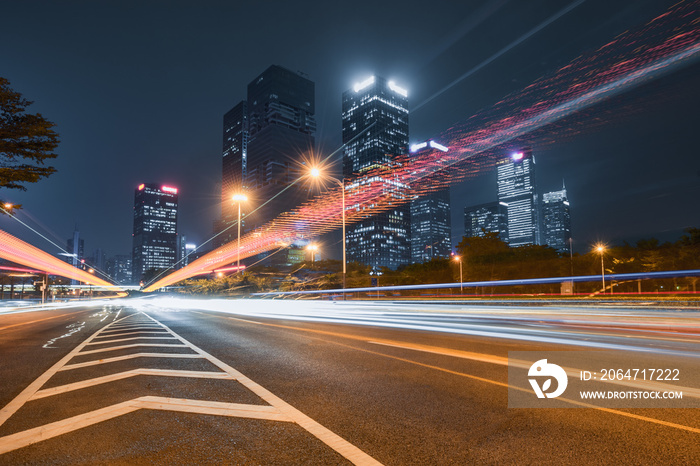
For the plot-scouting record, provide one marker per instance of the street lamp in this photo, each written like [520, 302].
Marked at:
[601, 250]
[90, 283]
[461, 281]
[239, 198]
[313, 248]
[316, 173]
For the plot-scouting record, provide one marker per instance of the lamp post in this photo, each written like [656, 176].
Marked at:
[313, 248]
[239, 198]
[316, 173]
[461, 280]
[601, 250]
[90, 283]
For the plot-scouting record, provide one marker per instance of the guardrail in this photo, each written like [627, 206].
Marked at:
[527, 281]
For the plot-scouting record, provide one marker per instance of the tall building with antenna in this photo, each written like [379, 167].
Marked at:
[375, 138]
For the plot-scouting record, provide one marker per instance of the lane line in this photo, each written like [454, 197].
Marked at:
[157, 332]
[278, 410]
[54, 429]
[32, 388]
[333, 440]
[215, 408]
[134, 328]
[493, 382]
[128, 339]
[128, 356]
[501, 384]
[571, 372]
[133, 345]
[125, 375]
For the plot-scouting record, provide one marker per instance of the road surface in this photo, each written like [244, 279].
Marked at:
[173, 381]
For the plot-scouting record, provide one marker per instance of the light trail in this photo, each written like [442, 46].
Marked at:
[16, 250]
[606, 328]
[14, 216]
[501, 52]
[672, 40]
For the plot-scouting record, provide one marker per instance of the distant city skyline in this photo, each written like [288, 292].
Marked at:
[174, 136]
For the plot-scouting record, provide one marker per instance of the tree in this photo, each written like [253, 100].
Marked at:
[27, 141]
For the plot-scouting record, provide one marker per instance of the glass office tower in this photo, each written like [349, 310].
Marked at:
[375, 135]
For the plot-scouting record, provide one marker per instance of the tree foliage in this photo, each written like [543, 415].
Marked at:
[483, 258]
[27, 141]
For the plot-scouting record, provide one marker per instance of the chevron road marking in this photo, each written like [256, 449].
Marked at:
[129, 356]
[124, 375]
[276, 410]
[128, 339]
[133, 345]
[54, 429]
[131, 333]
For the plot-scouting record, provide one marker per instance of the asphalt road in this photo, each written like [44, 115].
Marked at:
[262, 382]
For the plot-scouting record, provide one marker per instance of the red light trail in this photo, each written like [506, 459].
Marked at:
[16, 250]
[637, 57]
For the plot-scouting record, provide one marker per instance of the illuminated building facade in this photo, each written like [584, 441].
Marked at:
[155, 229]
[431, 224]
[375, 135]
[556, 224]
[490, 218]
[517, 189]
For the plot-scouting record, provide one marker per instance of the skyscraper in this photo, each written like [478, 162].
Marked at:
[375, 134]
[235, 156]
[491, 218]
[76, 251]
[119, 269]
[155, 229]
[556, 218]
[265, 139]
[431, 223]
[517, 189]
[281, 127]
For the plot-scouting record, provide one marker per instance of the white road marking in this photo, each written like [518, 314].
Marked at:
[333, 440]
[28, 392]
[215, 408]
[133, 345]
[134, 328]
[276, 410]
[54, 429]
[157, 332]
[126, 374]
[128, 339]
[128, 356]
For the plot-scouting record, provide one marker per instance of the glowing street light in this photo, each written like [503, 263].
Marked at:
[313, 248]
[461, 280]
[239, 198]
[316, 173]
[601, 250]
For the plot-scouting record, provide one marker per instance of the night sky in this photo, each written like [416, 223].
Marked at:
[138, 91]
